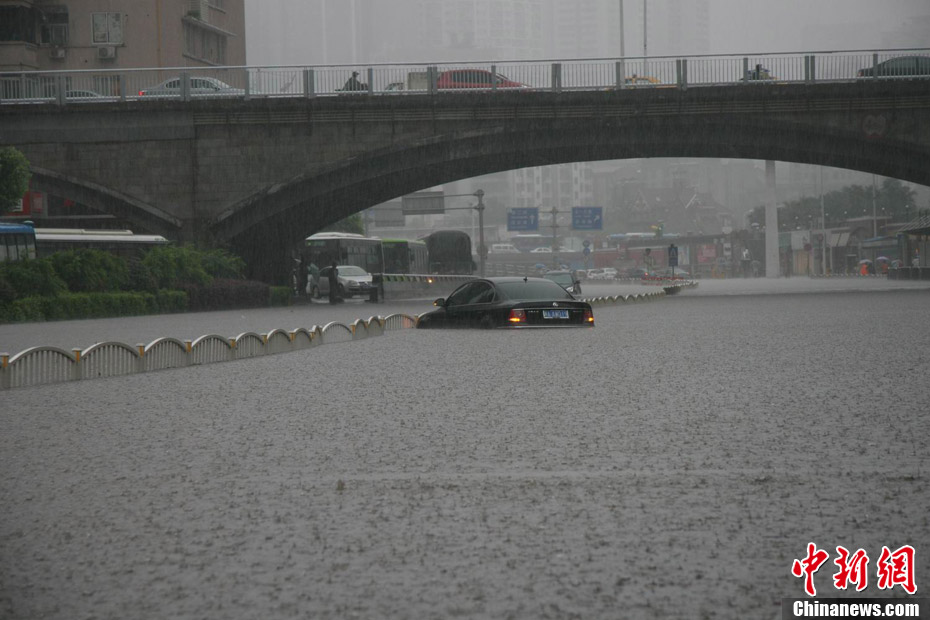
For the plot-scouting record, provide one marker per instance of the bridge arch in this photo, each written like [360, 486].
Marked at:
[106, 200]
[324, 196]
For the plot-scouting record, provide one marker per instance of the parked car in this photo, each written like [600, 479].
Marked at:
[541, 251]
[352, 281]
[509, 302]
[899, 66]
[565, 279]
[504, 248]
[677, 273]
[199, 87]
[609, 273]
[474, 78]
[636, 273]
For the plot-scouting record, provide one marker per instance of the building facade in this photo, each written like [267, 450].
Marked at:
[50, 35]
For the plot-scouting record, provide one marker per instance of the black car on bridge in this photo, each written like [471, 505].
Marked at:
[900, 66]
[509, 302]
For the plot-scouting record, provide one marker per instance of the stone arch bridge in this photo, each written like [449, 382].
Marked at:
[265, 173]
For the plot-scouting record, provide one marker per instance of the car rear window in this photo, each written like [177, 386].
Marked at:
[531, 290]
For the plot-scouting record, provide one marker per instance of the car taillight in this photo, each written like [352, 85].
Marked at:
[588, 316]
[141, 93]
[517, 316]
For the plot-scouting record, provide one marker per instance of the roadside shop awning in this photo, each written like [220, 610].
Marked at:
[838, 240]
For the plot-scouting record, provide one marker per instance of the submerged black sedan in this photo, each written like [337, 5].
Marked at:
[509, 302]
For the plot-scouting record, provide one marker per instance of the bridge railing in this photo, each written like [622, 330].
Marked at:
[187, 83]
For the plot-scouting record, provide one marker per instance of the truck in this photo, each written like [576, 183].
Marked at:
[416, 80]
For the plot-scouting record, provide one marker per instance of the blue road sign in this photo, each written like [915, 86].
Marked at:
[587, 218]
[672, 256]
[523, 219]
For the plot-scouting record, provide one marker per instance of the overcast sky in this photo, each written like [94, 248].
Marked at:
[283, 32]
[739, 26]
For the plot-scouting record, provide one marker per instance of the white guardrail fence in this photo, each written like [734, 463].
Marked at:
[187, 83]
[44, 365]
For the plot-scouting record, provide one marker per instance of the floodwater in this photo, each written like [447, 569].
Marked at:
[671, 462]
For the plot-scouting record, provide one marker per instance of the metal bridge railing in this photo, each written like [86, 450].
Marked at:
[189, 83]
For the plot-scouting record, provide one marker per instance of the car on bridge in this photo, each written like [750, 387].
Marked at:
[474, 78]
[641, 80]
[900, 66]
[491, 303]
[199, 87]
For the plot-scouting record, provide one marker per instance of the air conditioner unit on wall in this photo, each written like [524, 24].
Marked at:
[106, 52]
[57, 52]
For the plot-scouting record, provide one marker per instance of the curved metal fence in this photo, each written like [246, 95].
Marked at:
[44, 365]
[398, 79]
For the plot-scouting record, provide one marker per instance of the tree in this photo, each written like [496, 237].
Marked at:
[14, 177]
[892, 199]
[351, 224]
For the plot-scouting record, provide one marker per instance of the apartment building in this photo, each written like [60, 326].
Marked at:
[50, 35]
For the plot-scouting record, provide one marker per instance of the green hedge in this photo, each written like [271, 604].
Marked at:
[281, 296]
[92, 306]
[223, 294]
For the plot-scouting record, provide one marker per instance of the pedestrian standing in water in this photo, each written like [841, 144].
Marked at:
[333, 283]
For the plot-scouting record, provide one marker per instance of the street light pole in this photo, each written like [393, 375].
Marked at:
[482, 250]
[644, 34]
[823, 226]
[621, 29]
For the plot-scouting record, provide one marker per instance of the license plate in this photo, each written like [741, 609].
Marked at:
[555, 314]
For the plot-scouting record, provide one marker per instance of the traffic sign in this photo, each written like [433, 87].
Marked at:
[587, 218]
[672, 256]
[423, 203]
[523, 219]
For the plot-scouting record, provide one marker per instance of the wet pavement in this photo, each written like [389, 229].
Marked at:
[671, 462]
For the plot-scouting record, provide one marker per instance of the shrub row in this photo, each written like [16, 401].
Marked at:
[92, 305]
[220, 295]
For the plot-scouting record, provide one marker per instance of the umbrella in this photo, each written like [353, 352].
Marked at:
[884, 258]
[864, 261]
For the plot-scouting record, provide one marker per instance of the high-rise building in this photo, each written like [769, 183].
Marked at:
[87, 34]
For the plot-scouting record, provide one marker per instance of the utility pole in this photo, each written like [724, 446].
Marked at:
[555, 227]
[772, 260]
[644, 32]
[874, 221]
[621, 29]
[823, 226]
[482, 250]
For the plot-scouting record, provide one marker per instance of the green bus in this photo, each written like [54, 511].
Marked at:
[404, 256]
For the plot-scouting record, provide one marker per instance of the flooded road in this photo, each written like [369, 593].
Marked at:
[671, 462]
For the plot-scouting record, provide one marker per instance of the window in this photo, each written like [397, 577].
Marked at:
[18, 23]
[204, 44]
[107, 28]
[54, 30]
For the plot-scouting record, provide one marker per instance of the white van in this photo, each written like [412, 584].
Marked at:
[504, 248]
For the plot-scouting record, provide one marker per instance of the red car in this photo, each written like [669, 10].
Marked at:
[474, 78]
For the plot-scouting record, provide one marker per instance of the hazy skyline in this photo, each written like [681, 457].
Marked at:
[284, 31]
